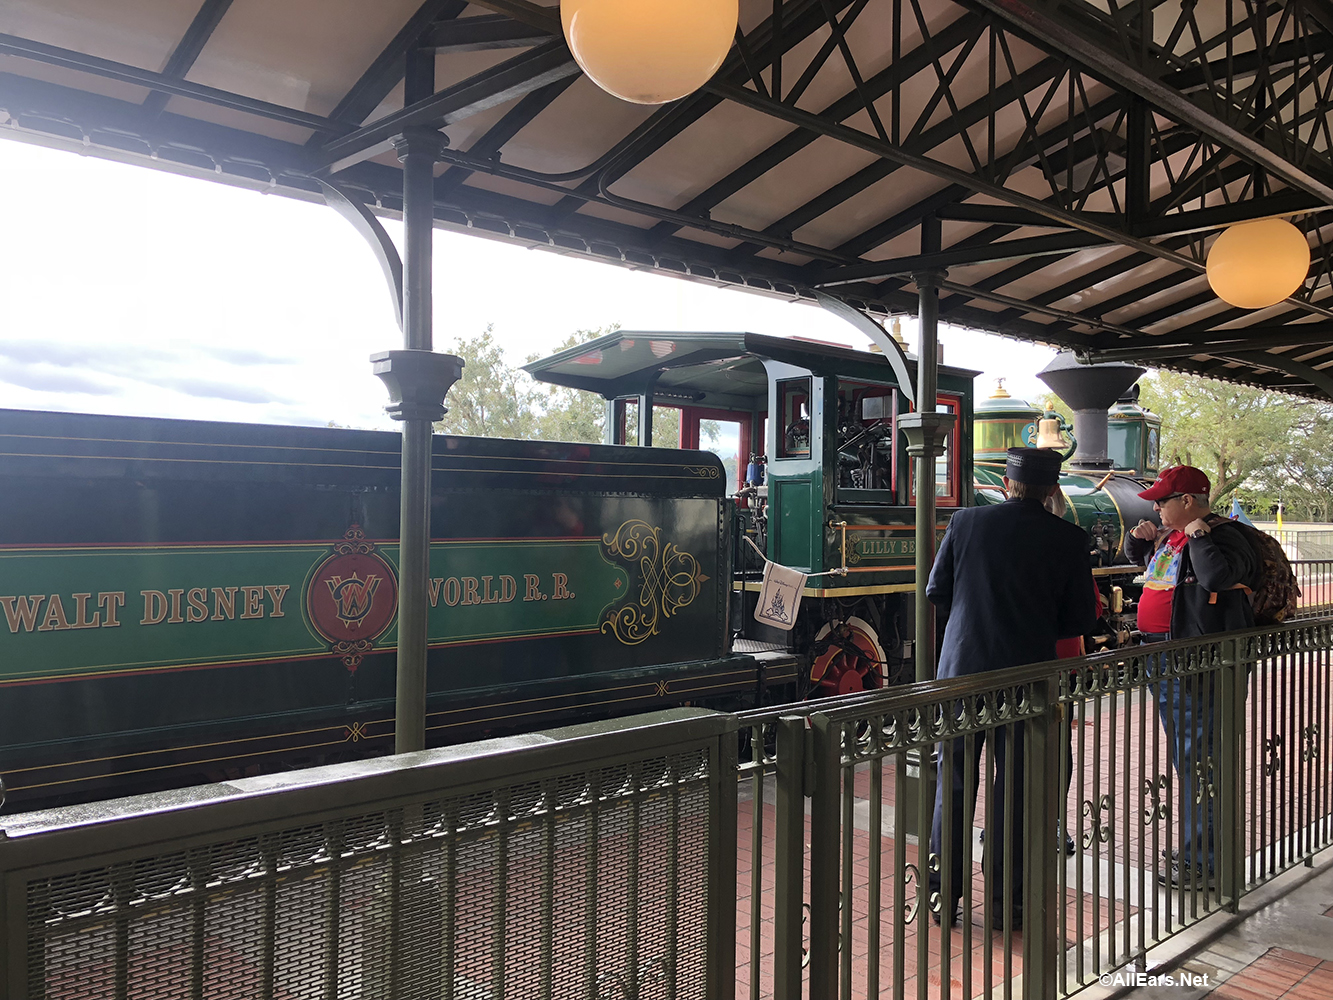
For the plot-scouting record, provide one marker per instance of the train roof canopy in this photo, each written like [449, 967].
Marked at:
[711, 369]
[1081, 154]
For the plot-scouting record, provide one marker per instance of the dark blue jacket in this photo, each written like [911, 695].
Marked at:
[1011, 579]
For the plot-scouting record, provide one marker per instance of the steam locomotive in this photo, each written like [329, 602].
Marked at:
[182, 601]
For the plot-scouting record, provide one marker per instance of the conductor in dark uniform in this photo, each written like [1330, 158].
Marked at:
[1010, 579]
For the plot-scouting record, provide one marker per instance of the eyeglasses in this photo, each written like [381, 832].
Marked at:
[1170, 496]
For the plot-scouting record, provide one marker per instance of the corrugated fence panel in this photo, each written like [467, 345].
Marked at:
[583, 877]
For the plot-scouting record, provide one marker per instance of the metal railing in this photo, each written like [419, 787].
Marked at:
[590, 862]
[780, 853]
[1185, 773]
[1304, 543]
[1315, 578]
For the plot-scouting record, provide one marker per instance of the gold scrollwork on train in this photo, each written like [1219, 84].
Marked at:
[669, 580]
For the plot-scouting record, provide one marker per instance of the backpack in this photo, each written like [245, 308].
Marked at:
[1274, 599]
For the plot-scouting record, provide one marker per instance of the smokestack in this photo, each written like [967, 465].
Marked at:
[1090, 390]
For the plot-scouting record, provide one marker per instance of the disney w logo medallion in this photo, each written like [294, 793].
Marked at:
[351, 598]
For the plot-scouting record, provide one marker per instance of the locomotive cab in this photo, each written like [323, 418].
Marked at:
[818, 470]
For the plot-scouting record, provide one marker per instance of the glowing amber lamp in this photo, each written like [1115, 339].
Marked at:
[649, 51]
[1258, 264]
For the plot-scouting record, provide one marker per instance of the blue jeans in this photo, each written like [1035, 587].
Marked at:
[1187, 707]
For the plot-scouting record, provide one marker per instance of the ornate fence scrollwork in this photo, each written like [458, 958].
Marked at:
[1273, 755]
[1099, 834]
[1153, 793]
[1310, 742]
[911, 878]
[1203, 781]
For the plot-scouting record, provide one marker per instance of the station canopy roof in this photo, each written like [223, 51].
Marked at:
[1082, 154]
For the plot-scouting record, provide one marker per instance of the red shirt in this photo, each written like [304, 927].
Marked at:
[1160, 585]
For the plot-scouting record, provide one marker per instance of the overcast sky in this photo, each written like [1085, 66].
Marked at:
[132, 291]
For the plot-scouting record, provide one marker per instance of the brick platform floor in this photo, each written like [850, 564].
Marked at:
[1280, 974]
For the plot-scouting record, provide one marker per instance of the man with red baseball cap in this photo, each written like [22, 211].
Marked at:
[1199, 572]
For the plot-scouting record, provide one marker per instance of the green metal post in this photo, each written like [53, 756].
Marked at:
[721, 976]
[824, 855]
[417, 380]
[926, 431]
[788, 859]
[1041, 807]
[927, 391]
[1229, 752]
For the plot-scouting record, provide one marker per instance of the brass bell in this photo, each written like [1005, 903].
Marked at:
[1049, 436]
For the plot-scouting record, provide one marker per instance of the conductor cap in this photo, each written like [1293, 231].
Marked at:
[1037, 466]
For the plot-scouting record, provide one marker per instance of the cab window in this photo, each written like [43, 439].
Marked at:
[948, 484]
[794, 418]
[867, 422]
[723, 432]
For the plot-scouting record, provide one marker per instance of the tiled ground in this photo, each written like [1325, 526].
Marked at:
[1281, 950]
[1280, 974]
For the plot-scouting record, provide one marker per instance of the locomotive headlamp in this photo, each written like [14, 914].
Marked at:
[1258, 264]
[649, 51]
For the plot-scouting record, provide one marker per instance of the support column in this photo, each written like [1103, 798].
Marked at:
[646, 418]
[646, 396]
[417, 380]
[418, 149]
[926, 432]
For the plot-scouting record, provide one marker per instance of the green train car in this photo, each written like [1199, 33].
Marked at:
[817, 467]
[182, 601]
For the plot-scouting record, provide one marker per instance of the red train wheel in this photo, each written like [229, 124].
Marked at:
[848, 658]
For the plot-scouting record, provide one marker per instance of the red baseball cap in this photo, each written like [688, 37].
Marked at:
[1176, 480]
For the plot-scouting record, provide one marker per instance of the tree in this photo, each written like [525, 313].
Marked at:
[1303, 477]
[496, 399]
[1234, 433]
[491, 399]
[1256, 445]
[570, 414]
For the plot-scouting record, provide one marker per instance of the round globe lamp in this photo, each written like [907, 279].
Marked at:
[649, 51]
[1254, 265]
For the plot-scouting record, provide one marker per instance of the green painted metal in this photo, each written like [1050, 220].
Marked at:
[789, 862]
[1232, 689]
[720, 954]
[195, 593]
[825, 854]
[431, 854]
[637, 772]
[1114, 696]
[1042, 936]
[1134, 438]
[1002, 422]
[793, 502]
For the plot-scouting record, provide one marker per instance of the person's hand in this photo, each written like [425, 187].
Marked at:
[1196, 526]
[1145, 531]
